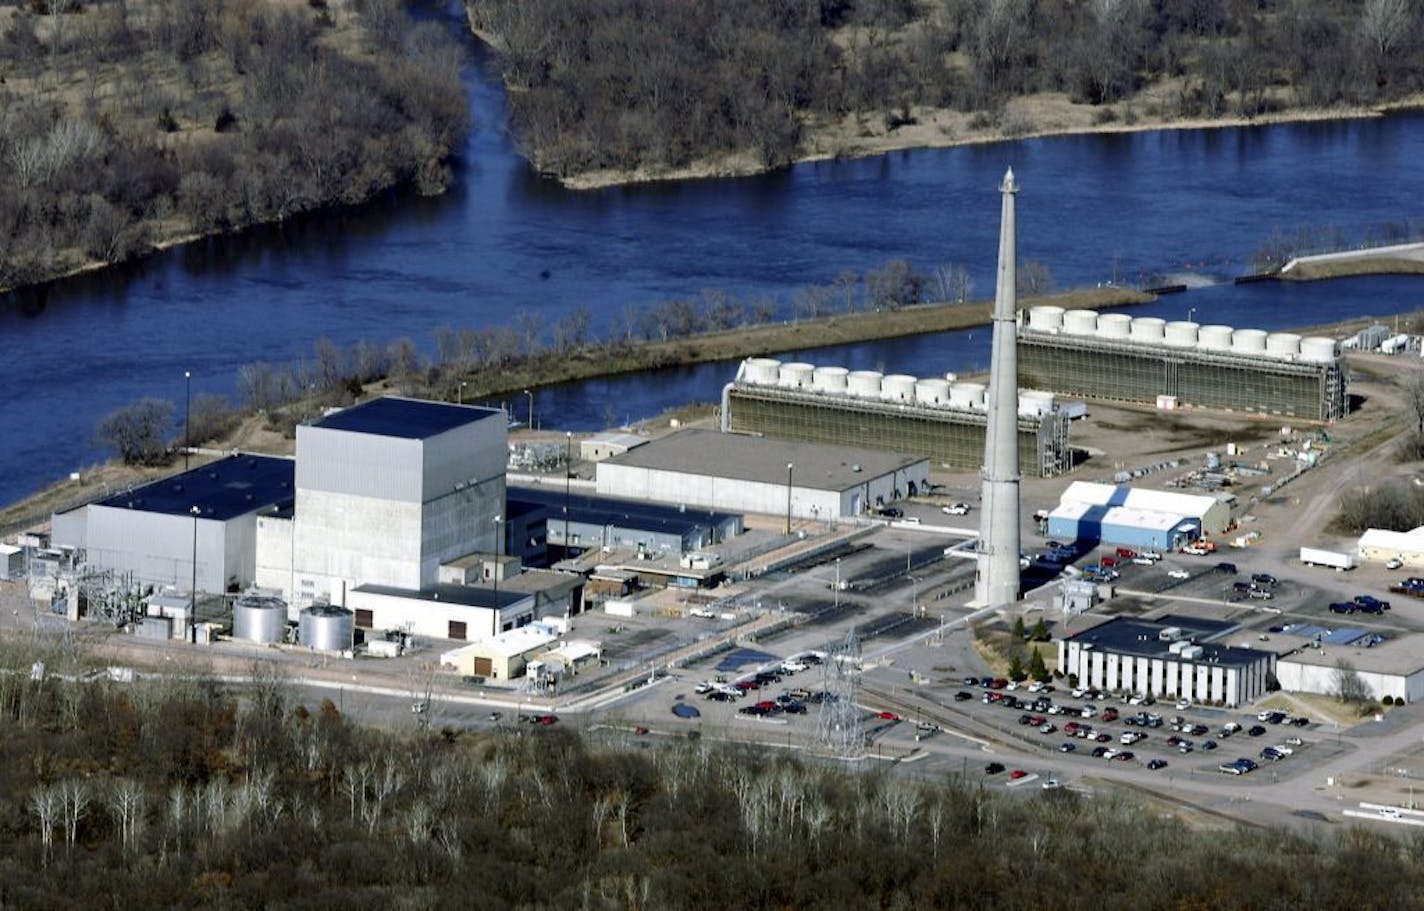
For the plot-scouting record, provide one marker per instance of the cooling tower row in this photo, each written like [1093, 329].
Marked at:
[1150, 330]
[872, 384]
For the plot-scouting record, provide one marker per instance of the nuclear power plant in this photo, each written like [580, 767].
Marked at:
[1182, 364]
[997, 580]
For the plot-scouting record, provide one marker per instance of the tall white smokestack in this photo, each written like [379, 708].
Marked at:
[997, 579]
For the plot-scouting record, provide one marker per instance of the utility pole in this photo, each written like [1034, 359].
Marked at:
[187, 415]
[568, 475]
[789, 466]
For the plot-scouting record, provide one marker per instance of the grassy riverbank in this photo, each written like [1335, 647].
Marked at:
[1344, 268]
[258, 433]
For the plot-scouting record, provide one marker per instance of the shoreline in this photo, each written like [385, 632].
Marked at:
[733, 165]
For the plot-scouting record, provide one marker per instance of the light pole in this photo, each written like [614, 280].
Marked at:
[789, 466]
[531, 408]
[838, 583]
[462, 392]
[568, 475]
[1190, 312]
[498, 548]
[187, 415]
[194, 590]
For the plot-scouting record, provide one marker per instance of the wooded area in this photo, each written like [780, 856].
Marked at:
[126, 124]
[656, 84]
[178, 793]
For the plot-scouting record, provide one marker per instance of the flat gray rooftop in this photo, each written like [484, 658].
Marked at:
[747, 458]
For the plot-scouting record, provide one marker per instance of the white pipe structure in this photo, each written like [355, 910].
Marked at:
[996, 581]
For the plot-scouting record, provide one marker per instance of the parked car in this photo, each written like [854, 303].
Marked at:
[1179, 574]
[1264, 579]
[892, 512]
[1260, 594]
[957, 509]
[1067, 746]
[1183, 705]
[1126, 552]
[1227, 568]
[1393, 563]
[1016, 774]
[993, 768]
[1155, 764]
[1208, 744]
[1256, 730]
[962, 696]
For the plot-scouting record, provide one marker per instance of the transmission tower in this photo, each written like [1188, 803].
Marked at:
[840, 727]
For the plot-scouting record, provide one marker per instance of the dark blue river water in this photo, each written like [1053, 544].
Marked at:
[1090, 207]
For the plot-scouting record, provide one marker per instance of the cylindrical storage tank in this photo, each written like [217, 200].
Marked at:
[326, 628]
[830, 379]
[1080, 322]
[1035, 402]
[1283, 344]
[970, 395]
[1249, 341]
[1317, 349]
[1045, 318]
[1181, 334]
[259, 618]
[1114, 325]
[952, 377]
[1147, 329]
[932, 392]
[898, 387]
[764, 371]
[797, 376]
[865, 383]
[1214, 338]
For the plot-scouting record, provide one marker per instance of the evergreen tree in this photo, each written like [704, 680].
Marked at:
[1036, 668]
[1016, 669]
[1019, 628]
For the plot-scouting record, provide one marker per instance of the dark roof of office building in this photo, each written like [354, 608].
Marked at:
[449, 593]
[221, 490]
[409, 419]
[816, 466]
[595, 510]
[1141, 638]
[1201, 627]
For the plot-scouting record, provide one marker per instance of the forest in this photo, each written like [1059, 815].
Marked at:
[176, 791]
[655, 85]
[130, 124]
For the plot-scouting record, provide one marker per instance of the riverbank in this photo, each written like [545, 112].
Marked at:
[1030, 117]
[255, 433]
[1396, 259]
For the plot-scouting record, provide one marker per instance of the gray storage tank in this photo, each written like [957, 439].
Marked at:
[259, 618]
[326, 628]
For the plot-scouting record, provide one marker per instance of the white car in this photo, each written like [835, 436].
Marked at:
[1395, 563]
[1052, 784]
[1179, 574]
[1183, 704]
[958, 509]
[1036, 686]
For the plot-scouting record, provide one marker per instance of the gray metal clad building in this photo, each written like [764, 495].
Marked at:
[388, 490]
[637, 525]
[149, 531]
[734, 473]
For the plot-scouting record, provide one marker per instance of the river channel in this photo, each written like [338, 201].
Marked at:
[1183, 204]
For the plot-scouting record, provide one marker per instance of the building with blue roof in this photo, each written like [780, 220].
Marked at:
[202, 521]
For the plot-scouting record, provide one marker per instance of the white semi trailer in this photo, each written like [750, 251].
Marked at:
[1314, 556]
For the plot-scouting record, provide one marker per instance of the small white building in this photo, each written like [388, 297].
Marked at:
[501, 657]
[736, 473]
[601, 446]
[459, 612]
[1392, 668]
[1378, 545]
[1212, 513]
[1171, 656]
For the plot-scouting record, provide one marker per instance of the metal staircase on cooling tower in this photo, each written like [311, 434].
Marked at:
[840, 729]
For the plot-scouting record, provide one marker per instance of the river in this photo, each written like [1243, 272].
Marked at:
[1183, 203]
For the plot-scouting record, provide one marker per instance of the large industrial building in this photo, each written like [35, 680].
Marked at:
[1393, 667]
[1181, 364]
[596, 522]
[934, 418]
[1379, 545]
[735, 473]
[154, 533]
[1136, 517]
[1171, 656]
[386, 491]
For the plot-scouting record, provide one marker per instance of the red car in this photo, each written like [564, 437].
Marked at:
[889, 716]
[640, 731]
[1017, 774]
[548, 719]
[1127, 553]
[1108, 561]
[745, 685]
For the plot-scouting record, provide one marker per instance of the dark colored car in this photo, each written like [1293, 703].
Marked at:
[1300, 722]
[1256, 730]
[993, 768]
[1263, 579]
[1157, 764]
[1242, 587]
[1067, 747]
[1344, 607]
[1228, 568]
[892, 512]
[962, 696]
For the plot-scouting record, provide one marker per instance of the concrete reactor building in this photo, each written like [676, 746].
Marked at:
[1181, 364]
[386, 491]
[933, 418]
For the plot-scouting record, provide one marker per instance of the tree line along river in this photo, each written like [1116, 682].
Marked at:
[1189, 204]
